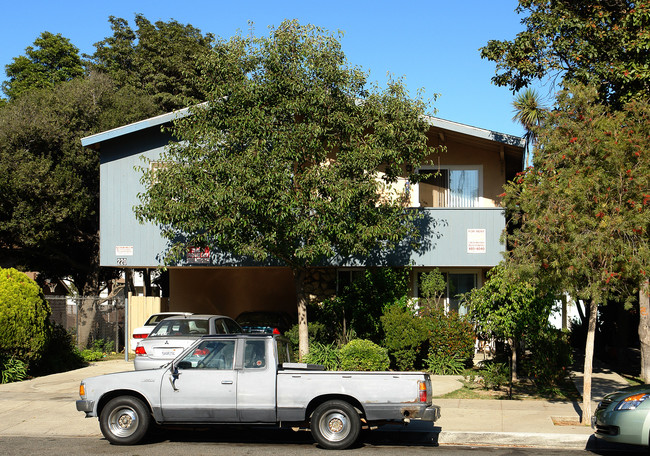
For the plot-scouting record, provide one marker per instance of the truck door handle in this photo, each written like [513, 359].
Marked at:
[226, 382]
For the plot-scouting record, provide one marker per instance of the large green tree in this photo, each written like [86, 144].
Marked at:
[582, 212]
[51, 60]
[291, 159]
[600, 42]
[160, 59]
[49, 183]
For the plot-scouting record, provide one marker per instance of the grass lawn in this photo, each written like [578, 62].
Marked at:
[524, 389]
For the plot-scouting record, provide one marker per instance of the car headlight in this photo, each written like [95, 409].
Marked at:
[632, 402]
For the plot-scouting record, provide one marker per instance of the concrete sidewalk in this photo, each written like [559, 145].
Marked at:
[46, 406]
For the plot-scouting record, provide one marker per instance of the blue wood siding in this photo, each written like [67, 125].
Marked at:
[447, 239]
[445, 230]
[119, 183]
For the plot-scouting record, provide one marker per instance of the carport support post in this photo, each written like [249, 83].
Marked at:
[127, 343]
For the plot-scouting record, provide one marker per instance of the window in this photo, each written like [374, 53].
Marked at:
[254, 354]
[284, 351]
[449, 187]
[457, 284]
[345, 277]
[210, 354]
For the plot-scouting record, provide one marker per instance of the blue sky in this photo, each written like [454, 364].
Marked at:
[431, 44]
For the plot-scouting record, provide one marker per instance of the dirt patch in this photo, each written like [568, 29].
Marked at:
[566, 421]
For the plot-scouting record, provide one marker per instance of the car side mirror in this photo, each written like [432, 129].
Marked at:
[183, 365]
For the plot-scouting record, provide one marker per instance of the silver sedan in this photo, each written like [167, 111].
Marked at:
[173, 335]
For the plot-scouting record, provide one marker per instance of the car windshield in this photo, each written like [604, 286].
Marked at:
[155, 319]
[258, 319]
[180, 327]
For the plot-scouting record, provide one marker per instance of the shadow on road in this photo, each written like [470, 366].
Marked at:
[386, 435]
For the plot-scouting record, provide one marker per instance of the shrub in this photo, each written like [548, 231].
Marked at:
[356, 311]
[104, 346]
[326, 355]
[90, 355]
[550, 357]
[23, 316]
[450, 334]
[98, 351]
[404, 336]
[494, 375]
[59, 354]
[443, 364]
[363, 355]
[12, 370]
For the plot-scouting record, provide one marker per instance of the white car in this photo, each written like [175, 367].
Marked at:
[143, 331]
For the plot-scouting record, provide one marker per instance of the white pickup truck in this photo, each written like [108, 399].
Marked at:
[246, 378]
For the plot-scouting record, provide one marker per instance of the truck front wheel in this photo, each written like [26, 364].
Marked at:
[335, 425]
[124, 420]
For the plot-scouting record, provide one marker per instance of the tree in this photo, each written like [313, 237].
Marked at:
[433, 287]
[49, 218]
[600, 42]
[509, 308]
[581, 213]
[159, 59]
[529, 112]
[52, 59]
[291, 160]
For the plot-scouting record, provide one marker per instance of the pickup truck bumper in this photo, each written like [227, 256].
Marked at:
[431, 413]
[86, 406]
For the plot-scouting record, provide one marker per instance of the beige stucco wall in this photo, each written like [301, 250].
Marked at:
[486, 156]
[464, 151]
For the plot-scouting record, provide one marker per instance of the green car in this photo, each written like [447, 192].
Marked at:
[624, 416]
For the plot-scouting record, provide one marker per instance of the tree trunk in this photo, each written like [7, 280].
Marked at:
[513, 360]
[588, 365]
[128, 281]
[86, 320]
[303, 331]
[644, 330]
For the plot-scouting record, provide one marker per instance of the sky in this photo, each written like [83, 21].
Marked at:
[432, 45]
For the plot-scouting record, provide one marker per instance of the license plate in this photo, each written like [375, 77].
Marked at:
[168, 353]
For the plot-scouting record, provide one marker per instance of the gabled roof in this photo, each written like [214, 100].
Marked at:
[134, 127]
[162, 119]
[476, 132]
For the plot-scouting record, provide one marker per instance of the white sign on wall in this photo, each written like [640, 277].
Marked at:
[476, 241]
[123, 250]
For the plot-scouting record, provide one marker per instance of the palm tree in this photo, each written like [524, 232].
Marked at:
[529, 112]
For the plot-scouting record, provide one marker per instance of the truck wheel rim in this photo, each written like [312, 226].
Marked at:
[123, 421]
[334, 426]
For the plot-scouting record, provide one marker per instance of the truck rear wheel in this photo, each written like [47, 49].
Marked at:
[124, 420]
[335, 425]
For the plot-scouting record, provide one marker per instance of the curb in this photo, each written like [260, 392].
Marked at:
[437, 436]
[514, 439]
